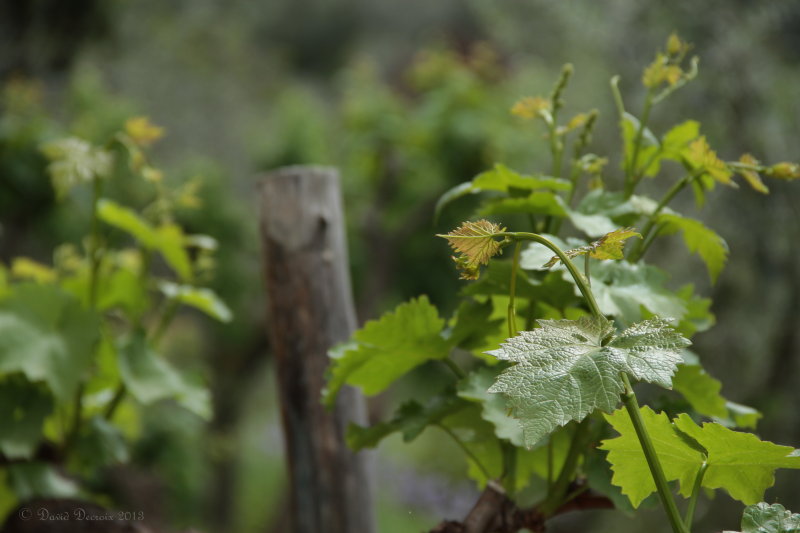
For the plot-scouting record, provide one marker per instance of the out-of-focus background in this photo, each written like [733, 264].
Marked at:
[407, 99]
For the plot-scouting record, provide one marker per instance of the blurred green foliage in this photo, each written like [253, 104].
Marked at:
[228, 85]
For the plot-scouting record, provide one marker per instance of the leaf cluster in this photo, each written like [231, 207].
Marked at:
[79, 348]
[548, 339]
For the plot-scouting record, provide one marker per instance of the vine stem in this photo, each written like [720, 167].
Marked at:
[454, 367]
[630, 171]
[94, 240]
[698, 481]
[169, 314]
[667, 501]
[559, 488]
[512, 290]
[641, 246]
[94, 271]
[558, 492]
[170, 311]
[617, 96]
[582, 283]
[509, 468]
[466, 450]
[121, 391]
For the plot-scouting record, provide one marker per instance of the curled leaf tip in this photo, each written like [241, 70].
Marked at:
[475, 243]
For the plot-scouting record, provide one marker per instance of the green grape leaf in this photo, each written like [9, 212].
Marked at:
[33, 479]
[738, 462]
[127, 220]
[503, 179]
[473, 323]
[475, 388]
[741, 416]
[711, 248]
[601, 212]
[124, 289]
[100, 443]
[150, 378]
[624, 290]
[23, 408]
[48, 336]
[410, 419]
[676, 139]
[205, 300]
[168, 238]
[537, 203]
[387, 348]
[599, 475]
[500, 179]
[566, 369]
[475, 243]
[765, 518]
[609, 246]
[678, 458]
[700, 390]
[699, 155]
[630, 125]
[698, 316]
[171, 242]
[751, 176]
[74, 161]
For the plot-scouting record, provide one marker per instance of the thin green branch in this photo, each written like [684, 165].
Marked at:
[630, 170]
[466, 450]
[667, 501]
[94, 243]
[512, 290]
[558, 492]
[698, 483]
[167, 317]
[454, 368]
[94, 275]
[586, 269]
[583, 286]
[641, 246]
[509, 468]
[550, 466]
[617, 96]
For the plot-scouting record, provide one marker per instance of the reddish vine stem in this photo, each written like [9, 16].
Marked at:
[494, 512]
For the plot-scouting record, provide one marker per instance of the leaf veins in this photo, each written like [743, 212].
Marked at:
[475, 242]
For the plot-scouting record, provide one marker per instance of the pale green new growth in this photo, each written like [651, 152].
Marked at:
[711, 248]
[609, 246]
[566, 369]
[74, 161]
[200, 298]
[700, 390]
[476, 244]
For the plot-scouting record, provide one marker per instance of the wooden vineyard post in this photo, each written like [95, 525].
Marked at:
[310, 309]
